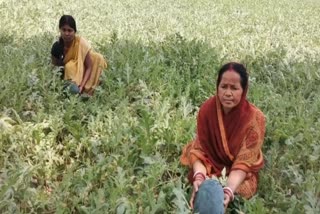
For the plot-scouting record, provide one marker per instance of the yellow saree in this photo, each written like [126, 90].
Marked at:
[74, 64]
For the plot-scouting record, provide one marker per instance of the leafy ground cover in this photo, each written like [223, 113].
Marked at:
[119, 151]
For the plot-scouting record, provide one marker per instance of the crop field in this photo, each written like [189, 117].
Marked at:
[119, 151]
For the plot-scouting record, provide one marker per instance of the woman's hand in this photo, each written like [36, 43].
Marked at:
[226, 200]
[196, 185]
[87, 71]
[198, 177]
[80, 89]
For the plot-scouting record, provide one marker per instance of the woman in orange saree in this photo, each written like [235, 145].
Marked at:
[82, 66]
[230, 134]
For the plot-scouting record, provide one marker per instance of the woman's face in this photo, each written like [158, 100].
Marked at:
[230, 90]
[67, 33]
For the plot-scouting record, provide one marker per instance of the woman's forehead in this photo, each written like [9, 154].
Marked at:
[231, 77]
[66, 26]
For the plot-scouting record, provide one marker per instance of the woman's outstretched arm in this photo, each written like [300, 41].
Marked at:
[87, 71]
[236, 177]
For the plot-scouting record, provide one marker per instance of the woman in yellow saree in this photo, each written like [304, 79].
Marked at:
[82, 66]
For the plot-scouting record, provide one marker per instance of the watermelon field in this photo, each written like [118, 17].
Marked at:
[119, 151]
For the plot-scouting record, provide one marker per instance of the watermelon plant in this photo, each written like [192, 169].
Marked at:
[118, 152]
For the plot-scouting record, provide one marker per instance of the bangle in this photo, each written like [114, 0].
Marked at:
[228, 191]
[198, 178]
[198, 173]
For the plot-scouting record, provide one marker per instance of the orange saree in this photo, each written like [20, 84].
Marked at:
[232, 140]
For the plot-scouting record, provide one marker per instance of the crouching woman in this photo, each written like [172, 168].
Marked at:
[230, 134]
[82, 66]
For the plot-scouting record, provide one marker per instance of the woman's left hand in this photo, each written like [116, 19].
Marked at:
[226, 201]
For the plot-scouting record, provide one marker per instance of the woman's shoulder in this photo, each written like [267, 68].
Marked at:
[208, 105]
[258, 114]
[83, 41]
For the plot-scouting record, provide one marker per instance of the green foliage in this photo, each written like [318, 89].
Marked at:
[119, 151]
